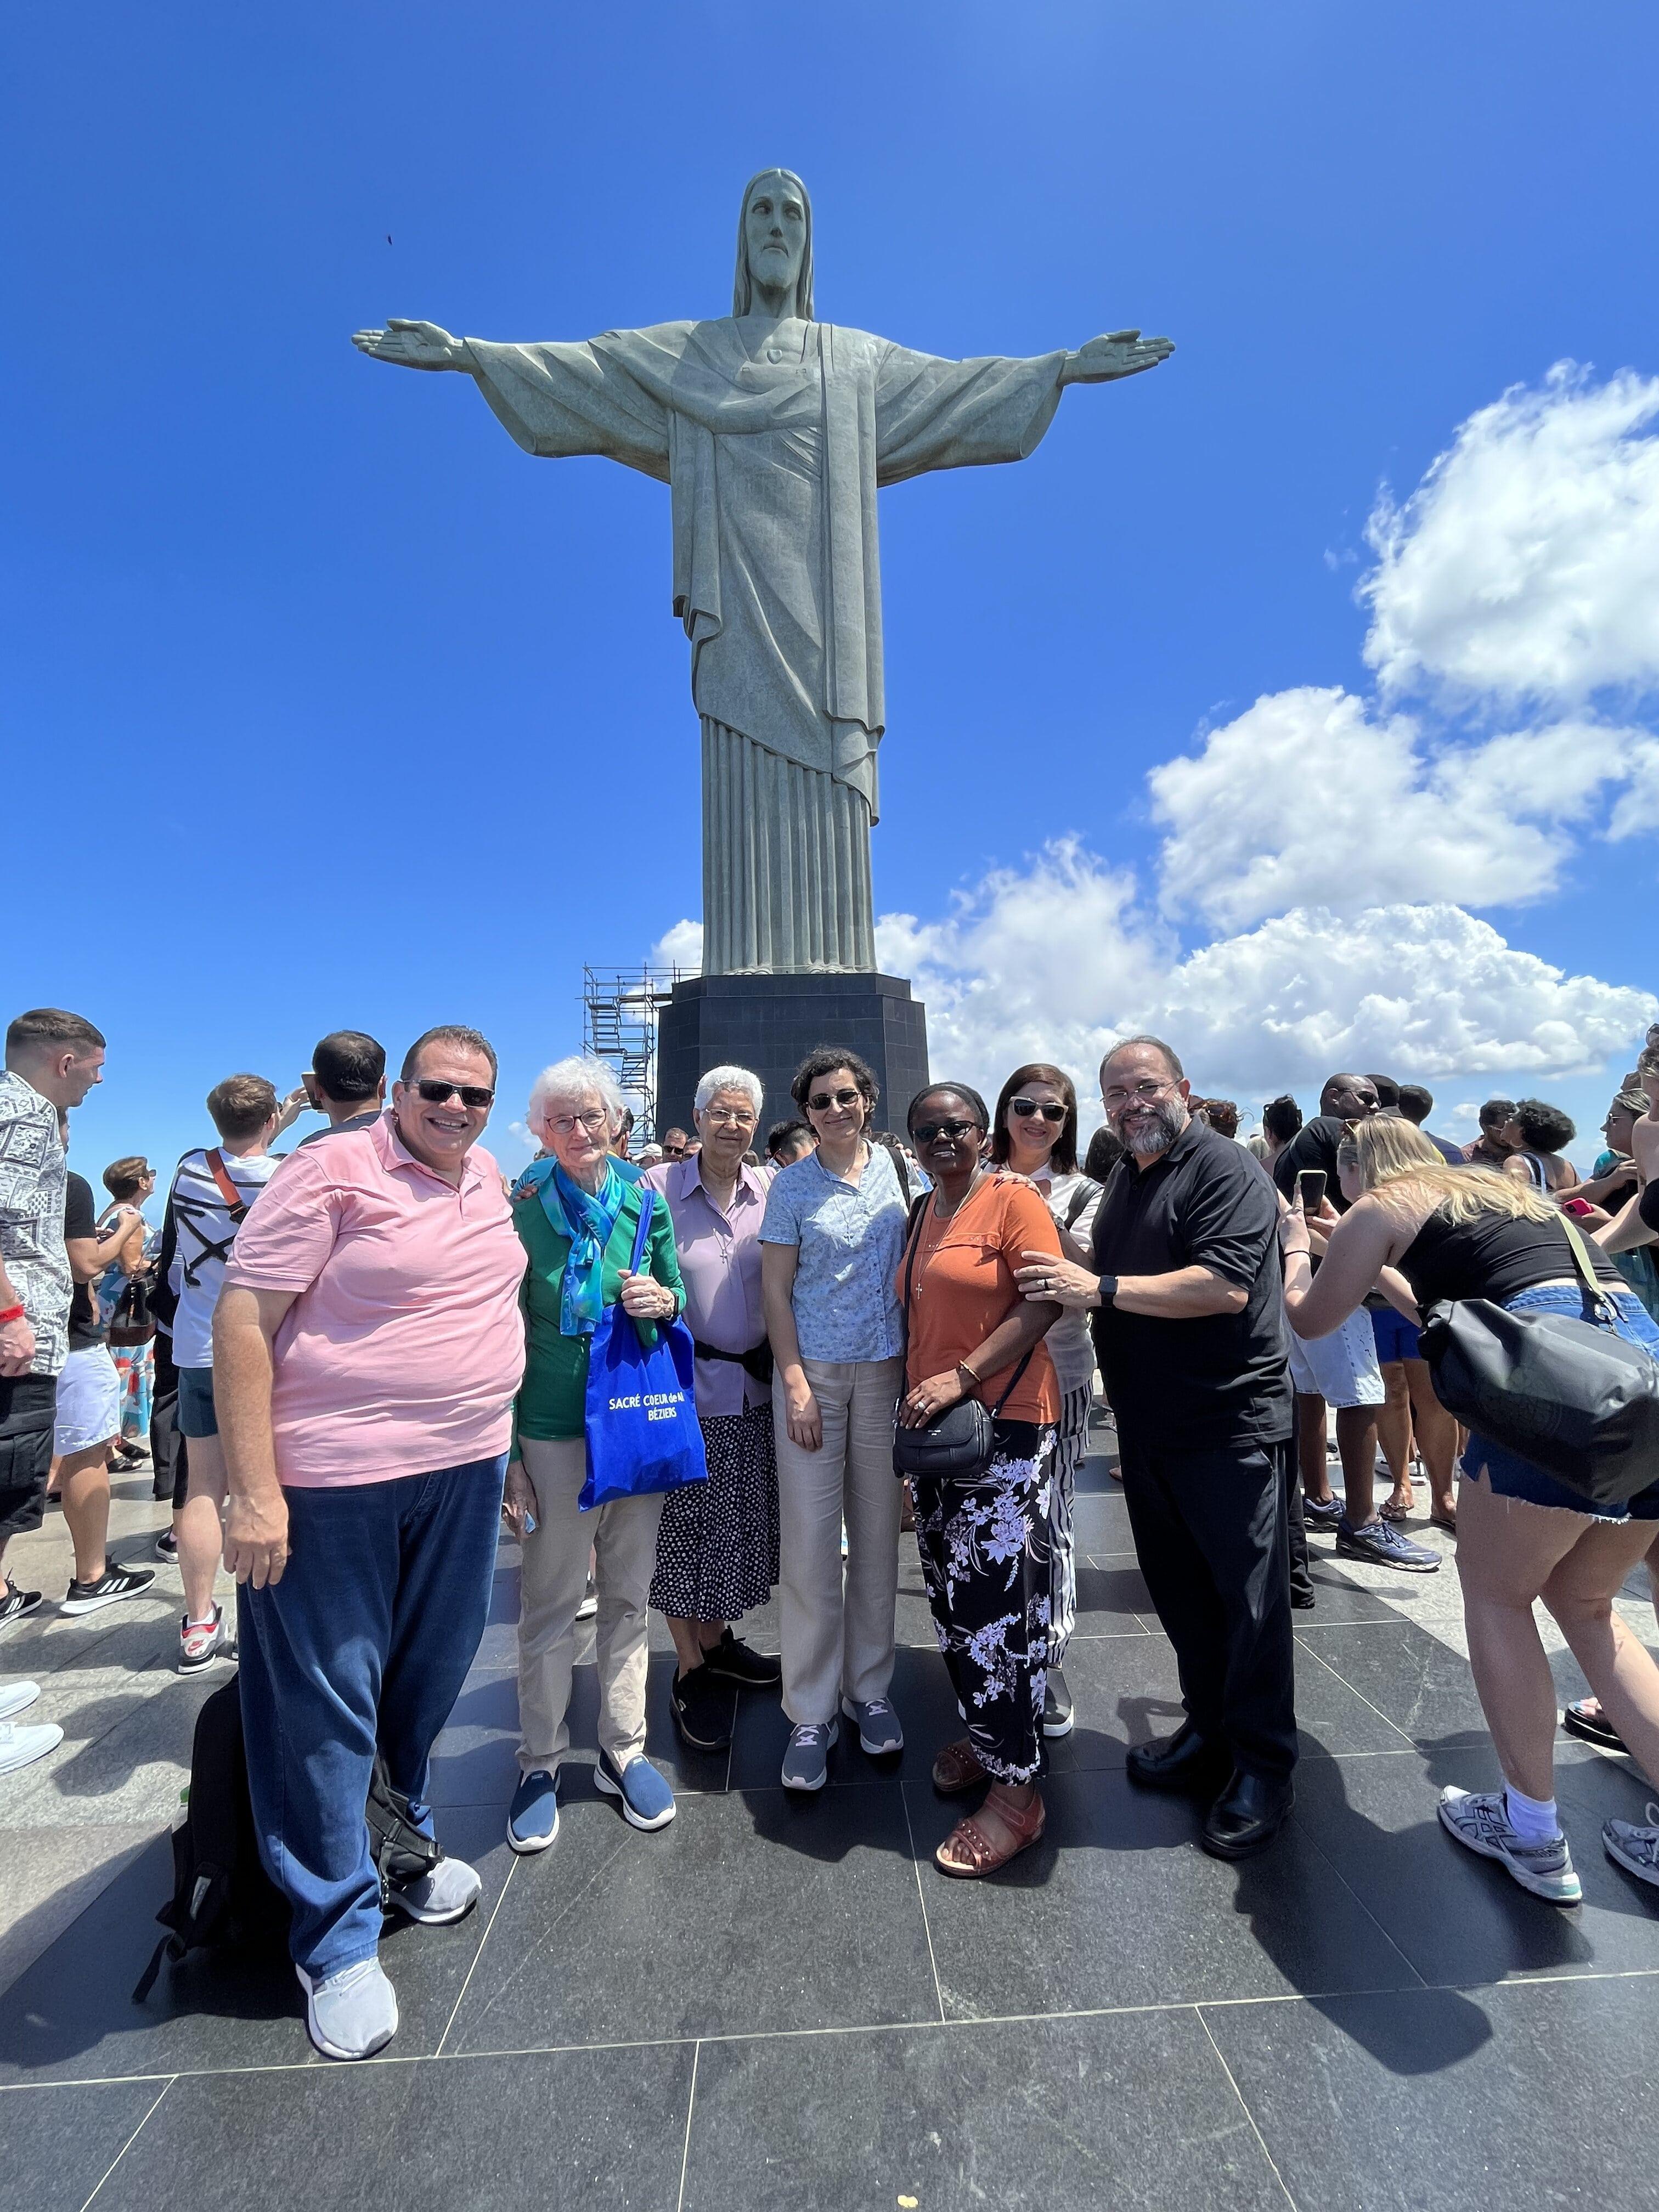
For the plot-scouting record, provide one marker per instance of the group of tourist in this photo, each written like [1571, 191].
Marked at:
[366, 1359]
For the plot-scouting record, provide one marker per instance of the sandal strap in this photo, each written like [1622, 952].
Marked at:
[985, 1856]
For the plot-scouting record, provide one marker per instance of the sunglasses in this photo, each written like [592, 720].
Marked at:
[436, 1093]
[926, 1133]
[824, 1099]
[1024, 1108]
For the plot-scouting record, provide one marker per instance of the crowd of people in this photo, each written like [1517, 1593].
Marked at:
[356, 1365]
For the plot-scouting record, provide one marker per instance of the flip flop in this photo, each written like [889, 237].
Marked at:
[1592, 1727]
[1441, 1521]
[1394, 1511]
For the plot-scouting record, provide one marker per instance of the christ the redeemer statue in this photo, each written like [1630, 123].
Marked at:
[773, 433]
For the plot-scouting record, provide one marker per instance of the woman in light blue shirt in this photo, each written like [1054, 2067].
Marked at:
[831, 1243]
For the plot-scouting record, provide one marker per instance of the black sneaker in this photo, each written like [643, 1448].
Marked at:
[1058, 1719]
[732, 1661]
[167, 1544]
[110, 1587]
[702, 1711]
[16, 1603]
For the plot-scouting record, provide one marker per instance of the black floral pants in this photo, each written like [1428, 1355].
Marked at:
[984, 1547]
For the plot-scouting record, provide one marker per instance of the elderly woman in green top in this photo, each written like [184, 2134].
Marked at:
[578, 1217]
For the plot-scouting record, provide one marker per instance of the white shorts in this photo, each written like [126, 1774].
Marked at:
[88, 1407]
[1341, 1368]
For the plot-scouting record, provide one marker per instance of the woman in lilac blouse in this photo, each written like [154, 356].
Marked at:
[717, 1544]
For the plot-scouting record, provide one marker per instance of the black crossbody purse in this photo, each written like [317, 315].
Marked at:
[959, 1441]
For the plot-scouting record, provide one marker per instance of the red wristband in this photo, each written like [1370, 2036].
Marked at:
[13, 1313]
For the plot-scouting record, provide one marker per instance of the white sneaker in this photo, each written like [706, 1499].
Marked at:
[448, 1893]
[1480, 1819]
[22, 1747]
[353, 2013]
[590, 1604]
[16, 1698]
[202, 1642]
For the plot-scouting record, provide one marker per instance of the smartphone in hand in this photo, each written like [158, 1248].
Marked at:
[1311, 1185]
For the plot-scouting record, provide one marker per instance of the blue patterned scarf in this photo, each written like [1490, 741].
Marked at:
[587, 1219]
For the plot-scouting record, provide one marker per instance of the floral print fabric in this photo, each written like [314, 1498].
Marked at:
[984, 1559]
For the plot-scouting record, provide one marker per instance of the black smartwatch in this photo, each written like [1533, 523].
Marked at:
[1108, 1289]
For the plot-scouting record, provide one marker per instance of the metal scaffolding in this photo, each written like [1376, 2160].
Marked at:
[619, 1025]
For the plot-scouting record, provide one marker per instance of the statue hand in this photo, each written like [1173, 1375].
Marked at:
[413, 345]
[1121, 353]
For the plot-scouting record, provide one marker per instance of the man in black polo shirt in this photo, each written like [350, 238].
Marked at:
[1189, 1321]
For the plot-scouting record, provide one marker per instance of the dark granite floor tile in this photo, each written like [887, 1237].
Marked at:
[1460, 1918]
[1100, 1521]
[1052, 2116]
[1112, 1596]
[557, 2130]
[1341, 1601]
[72, 2013]
[1117, 1905]
[1418, 1682]
[1540, 2093]
[749, 1912]
[56, 2145]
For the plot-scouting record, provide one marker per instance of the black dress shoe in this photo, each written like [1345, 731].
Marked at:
[1185, 1761]
[732, 1659]
[1247, 1816]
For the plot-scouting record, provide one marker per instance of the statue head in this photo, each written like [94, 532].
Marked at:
[774, 241]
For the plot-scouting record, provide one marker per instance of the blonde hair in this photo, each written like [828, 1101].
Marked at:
[1388, 1151]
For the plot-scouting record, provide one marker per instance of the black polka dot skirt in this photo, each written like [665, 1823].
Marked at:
[717, 1544]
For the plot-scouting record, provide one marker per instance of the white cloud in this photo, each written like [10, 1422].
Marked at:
[679, 947]
[1311, 798]
[1526, 564]
[1055, 960]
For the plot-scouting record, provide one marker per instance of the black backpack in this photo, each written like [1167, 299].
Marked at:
[221, 1895]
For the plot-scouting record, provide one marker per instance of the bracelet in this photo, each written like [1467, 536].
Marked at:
[12, 1314]
[969, 1378]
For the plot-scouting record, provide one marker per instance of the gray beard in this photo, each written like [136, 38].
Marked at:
[1158, 1131]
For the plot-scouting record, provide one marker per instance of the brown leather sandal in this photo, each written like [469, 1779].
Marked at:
[989, 1839]
[958, 1768]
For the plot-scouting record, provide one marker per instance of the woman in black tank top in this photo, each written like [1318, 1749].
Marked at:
[1422, 1231]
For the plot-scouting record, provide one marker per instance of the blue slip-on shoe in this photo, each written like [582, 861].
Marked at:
[532, 1819]
[647, 1800]
[1381, 1543]
[880, 1733]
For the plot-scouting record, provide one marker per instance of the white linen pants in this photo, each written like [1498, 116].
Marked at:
[624, 1536]
[835, 1617]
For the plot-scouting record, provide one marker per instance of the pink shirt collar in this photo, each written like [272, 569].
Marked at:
[394, 1153]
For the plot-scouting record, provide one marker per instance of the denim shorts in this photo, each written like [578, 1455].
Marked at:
[196, 1417]
[1511, 1476]
[1396, 1337]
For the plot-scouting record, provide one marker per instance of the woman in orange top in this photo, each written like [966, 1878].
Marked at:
[984, 1540]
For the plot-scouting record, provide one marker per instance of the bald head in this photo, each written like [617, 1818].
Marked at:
[1352, 1096]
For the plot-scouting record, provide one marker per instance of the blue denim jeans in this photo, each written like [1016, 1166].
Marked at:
[1511, 1476]
[365, 1640]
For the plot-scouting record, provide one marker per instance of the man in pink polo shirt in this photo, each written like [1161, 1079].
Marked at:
[367, 1348]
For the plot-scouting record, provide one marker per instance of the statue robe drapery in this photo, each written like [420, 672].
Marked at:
[774, 465]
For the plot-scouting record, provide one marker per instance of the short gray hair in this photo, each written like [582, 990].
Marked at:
[1153, 1044]
[730, 1078]
[567, 1082]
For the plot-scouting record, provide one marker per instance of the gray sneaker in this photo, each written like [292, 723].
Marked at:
[1636, 1850]
[879, 1732]
[1381, 1543]
[1479, 1819]
[806, 1762]
[352, 2013]
[448, 1893]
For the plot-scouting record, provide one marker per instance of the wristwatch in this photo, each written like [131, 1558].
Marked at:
[1107, 1287]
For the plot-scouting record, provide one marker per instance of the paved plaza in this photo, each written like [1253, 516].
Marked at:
[778, 2003]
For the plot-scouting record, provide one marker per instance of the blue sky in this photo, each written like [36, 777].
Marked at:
[324, 705]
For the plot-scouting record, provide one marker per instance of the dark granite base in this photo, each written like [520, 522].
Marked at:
[768, 1024]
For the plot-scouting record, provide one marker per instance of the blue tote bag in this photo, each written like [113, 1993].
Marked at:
[643, 1434]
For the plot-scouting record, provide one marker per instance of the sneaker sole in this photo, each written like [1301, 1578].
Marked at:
[526, 1847]
[607, 1788]
[1531, 1883]
[697, 1742]
[333, 2049]
[871, 1750]
[436, 1919]
[1060, 1727]
[1350, 1551]
[1614, 1851]
[73, 1607]
[206, 1659]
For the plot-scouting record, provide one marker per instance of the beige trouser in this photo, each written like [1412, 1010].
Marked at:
[624, 1536]
[835, 1617]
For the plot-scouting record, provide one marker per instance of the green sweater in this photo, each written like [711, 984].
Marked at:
[552, 1397]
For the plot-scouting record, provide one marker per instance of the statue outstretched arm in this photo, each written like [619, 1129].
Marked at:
[414, 345]
[1121, 353]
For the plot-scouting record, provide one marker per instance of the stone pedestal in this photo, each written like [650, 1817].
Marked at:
[768, 1024]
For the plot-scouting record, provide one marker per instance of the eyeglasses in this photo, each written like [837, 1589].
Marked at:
[1024, 1108]
[824, 1100]
[593, 1121]
[926, 1133]
[1147, 1090]
[740, 1117]
[437, 1093]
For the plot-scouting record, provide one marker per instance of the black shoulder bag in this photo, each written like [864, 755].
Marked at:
[1570, 1395]
[960, 1440]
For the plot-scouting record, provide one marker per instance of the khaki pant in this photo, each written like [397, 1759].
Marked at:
[624, 1536]
[836, 1616]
